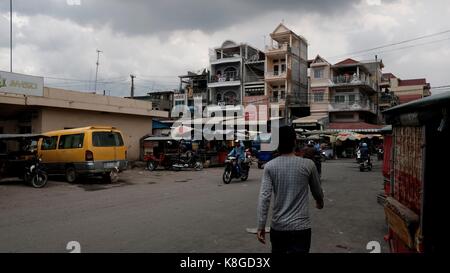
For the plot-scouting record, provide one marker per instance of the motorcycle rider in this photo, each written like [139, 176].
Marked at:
[312, 153]
[365, 153]
[239, 153]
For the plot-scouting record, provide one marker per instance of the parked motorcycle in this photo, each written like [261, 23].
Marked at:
[232, 170]
[35, 175]
[190, 161]
[365, 165]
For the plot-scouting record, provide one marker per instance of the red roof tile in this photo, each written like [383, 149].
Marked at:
[389, 76]
[353, 126]
[347, 61]
[412, 82]
[408, 98]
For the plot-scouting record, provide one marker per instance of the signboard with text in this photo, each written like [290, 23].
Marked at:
[21, 84]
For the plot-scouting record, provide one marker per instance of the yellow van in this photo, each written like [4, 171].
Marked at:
[91, 150]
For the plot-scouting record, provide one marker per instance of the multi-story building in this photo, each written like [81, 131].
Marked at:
[237, 71]
[161, 100]
[406, 90]
[286, 77]
[319, 95]
[354, 93]
[193, 86]
[346, 93]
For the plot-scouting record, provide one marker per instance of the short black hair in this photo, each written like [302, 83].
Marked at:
[287, 140]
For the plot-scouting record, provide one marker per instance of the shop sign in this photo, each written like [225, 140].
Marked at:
[21, 84]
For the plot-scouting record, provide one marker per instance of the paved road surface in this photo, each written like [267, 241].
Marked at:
[181, 212]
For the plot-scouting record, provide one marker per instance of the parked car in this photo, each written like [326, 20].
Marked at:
[98, 151]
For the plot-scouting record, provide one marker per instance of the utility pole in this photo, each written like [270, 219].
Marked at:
[96, 73]
[11, 34]
[377, 90]
[132, 85]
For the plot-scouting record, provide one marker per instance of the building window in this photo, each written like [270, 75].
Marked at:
[230, 74]
[339, 99]
[318, 73]
[351, 99]
[230, 98]
[319, 96]
[276, 70]
[219, 98]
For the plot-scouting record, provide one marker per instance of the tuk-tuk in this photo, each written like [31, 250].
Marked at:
[161, 151]
[415, 168]
[19, 159]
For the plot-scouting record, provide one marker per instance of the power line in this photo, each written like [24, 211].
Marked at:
[443, 86]
[405, 47]
[394, 44]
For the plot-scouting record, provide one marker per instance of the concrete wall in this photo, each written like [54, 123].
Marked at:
[132, 127]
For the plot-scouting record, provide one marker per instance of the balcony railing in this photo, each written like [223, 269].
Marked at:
[225, 79]
[354, 80]
[272, 75]
[352, 106]
[280, 100]
[254, 79]
[277, 48]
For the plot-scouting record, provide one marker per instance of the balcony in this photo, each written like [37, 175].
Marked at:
[224, 81]
[279, 100]
[354, 80]
[277, 50]
[352, 106]
[272, 76]
[234, 59]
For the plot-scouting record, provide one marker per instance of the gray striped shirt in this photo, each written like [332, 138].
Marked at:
[288, 177]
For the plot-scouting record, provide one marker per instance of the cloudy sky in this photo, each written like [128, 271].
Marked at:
[159, 40]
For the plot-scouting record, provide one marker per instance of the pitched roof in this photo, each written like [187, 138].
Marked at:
[281, 28]
[319, 59]
[389, 75]
[347, 61]
[411, 82]
[408, 98]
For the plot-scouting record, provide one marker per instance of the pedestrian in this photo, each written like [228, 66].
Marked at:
[288, 178]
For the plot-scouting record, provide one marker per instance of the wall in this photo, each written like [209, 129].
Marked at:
[133, 127]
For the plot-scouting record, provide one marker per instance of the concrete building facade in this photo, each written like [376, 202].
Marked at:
[286, 73]
[60, 109]
[237, 71]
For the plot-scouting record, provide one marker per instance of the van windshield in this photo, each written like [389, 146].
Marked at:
[107, 139]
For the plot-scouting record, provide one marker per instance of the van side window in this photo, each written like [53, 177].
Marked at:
[71, 141]
[107, 139]
[49, 143]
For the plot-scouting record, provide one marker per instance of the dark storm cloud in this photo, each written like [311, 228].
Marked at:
[138, 17]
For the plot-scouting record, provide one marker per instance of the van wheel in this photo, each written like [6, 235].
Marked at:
[111, 177]
[71, 174]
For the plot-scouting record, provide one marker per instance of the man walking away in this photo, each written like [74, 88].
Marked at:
[289, 178]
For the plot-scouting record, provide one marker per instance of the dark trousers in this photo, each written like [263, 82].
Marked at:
[290, 242]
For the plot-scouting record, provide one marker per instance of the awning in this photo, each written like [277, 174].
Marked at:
[343, 136]
[19, 136]
[359, 127]
[313, 119]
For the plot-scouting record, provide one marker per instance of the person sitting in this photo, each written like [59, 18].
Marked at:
[365, 153]
[239, 153]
